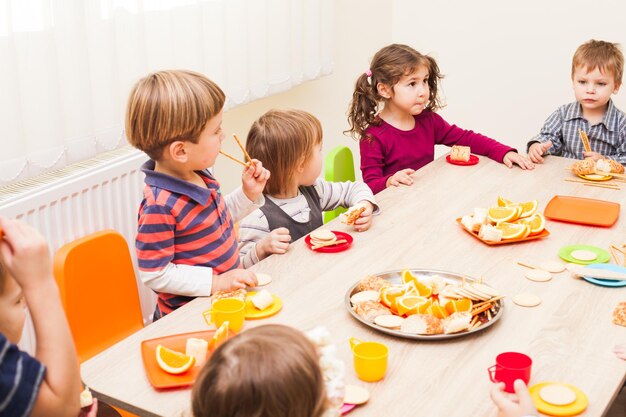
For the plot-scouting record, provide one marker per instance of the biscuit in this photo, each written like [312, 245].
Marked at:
[538, 275]
[583, 255]
[552, 266]
[389, 321]
[527, 300]
[557, 394]
[322, 235]
[362, 296]
[355, 395]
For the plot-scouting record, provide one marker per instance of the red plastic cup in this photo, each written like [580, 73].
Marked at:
[509, 367]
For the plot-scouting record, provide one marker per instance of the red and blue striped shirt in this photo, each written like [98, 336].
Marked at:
[182, 224]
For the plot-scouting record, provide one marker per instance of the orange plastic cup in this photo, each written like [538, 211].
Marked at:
[231, 310]
[370, 359]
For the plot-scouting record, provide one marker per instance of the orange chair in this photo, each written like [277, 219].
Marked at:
[98, 289]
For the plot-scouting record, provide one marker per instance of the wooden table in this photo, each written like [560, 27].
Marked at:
[569, 336]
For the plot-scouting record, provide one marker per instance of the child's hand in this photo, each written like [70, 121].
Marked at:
[521, 160]
[364, 221]
[537, 150]
[593, 155]
[25, 254]
[620, 351]
[234, 280]
[401, 177]
[91, 411]
[513, 405]
[276, 242]
[253, 180]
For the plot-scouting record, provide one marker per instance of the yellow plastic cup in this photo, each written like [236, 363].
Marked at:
[231, 310]
[370, 359]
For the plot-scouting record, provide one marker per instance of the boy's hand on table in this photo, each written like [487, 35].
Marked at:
[537, 150]
[513, 405]
[522, 161]
[401, 177]
[25, 254]
[364, 221]
[253, 180]
[234, 280]
[593, 155]
[276, 242]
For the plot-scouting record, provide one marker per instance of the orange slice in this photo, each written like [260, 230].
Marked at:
[528, 208]
[456, 306]
[173, 362]
[220, 336]
[437, 310]
[513, 230]
[407, 277]
[424, 308]
[408, 304]
[503, 202]
[536, 222]
[388, 295]
[424, 290]
[502, 214]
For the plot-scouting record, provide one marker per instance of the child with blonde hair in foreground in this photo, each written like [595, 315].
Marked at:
[186, 244]
[400, 138]
[289, 142]
[597, 70]
[270, 370]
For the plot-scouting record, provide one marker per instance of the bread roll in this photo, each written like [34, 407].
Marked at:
[240, 294]
[460, 153]
[609, 166]
[619, 314]
[585, 167]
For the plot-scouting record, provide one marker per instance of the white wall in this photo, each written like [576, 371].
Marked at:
[361, 28]
[507, 64]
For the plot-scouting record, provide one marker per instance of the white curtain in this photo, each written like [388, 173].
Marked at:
[66, 66]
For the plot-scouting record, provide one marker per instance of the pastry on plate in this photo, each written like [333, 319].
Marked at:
[460, 153]
[369, 310]
[371, 283]
[619, 314]
[352, 215]
[240, 294]
[422, 324]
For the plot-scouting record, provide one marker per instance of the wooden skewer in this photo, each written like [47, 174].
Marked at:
[612, 249]
[593, 184]
[491, 300]
[323, 245]
[585, 140]
[243, 149]
[233, 158]
[527, 265]
[611, 187]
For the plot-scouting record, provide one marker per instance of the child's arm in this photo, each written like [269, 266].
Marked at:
[518, 405]
[348, 194]
[249, 197]
[372, 164]
[27, 258]
[257, 242]
[551, 133]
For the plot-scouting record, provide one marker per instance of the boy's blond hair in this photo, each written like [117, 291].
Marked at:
[605, 56]
[169, 106]
[282, 139]
[270, 370]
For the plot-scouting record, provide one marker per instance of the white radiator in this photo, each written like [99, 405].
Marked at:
[102, 193]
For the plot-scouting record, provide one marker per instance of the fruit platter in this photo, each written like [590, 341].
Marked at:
[424, 304]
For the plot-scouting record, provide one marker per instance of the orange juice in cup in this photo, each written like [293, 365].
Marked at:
[370, 359]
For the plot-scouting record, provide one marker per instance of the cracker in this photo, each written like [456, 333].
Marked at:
[322, 235]
[262, 279]
[557, 394]
[356, 395]
[527, 300]
[362, 296]
[538, 275]
[583, 255]
[389, 321]
[552, 266]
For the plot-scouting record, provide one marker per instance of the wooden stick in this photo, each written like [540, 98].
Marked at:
[612, 249]
[527, 265]
[233, 158]
[334, 243]
[586, 182]
[243, 150]
[585, 140]
[491, 300]
[612, 187]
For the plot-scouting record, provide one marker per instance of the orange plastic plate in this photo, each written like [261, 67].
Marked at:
[157, 376]
[582, 210]
[543, 234]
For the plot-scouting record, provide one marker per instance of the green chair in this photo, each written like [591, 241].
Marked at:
[338, 167]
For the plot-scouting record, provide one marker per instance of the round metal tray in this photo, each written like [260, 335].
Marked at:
[394, 277]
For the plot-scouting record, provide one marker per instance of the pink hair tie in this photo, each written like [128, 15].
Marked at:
[368, 72]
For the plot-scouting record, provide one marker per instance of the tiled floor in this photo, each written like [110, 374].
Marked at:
[619, 406]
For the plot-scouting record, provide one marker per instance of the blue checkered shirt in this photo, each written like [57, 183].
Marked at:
[607, 137]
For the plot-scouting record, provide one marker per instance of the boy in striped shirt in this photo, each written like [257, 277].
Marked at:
[186, 244]
[597, 69]
[48, 384]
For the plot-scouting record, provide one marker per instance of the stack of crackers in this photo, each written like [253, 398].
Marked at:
[323, 238]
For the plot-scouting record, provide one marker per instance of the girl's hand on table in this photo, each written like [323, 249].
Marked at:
[513, 405]
[522, 161]
[401, 177]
